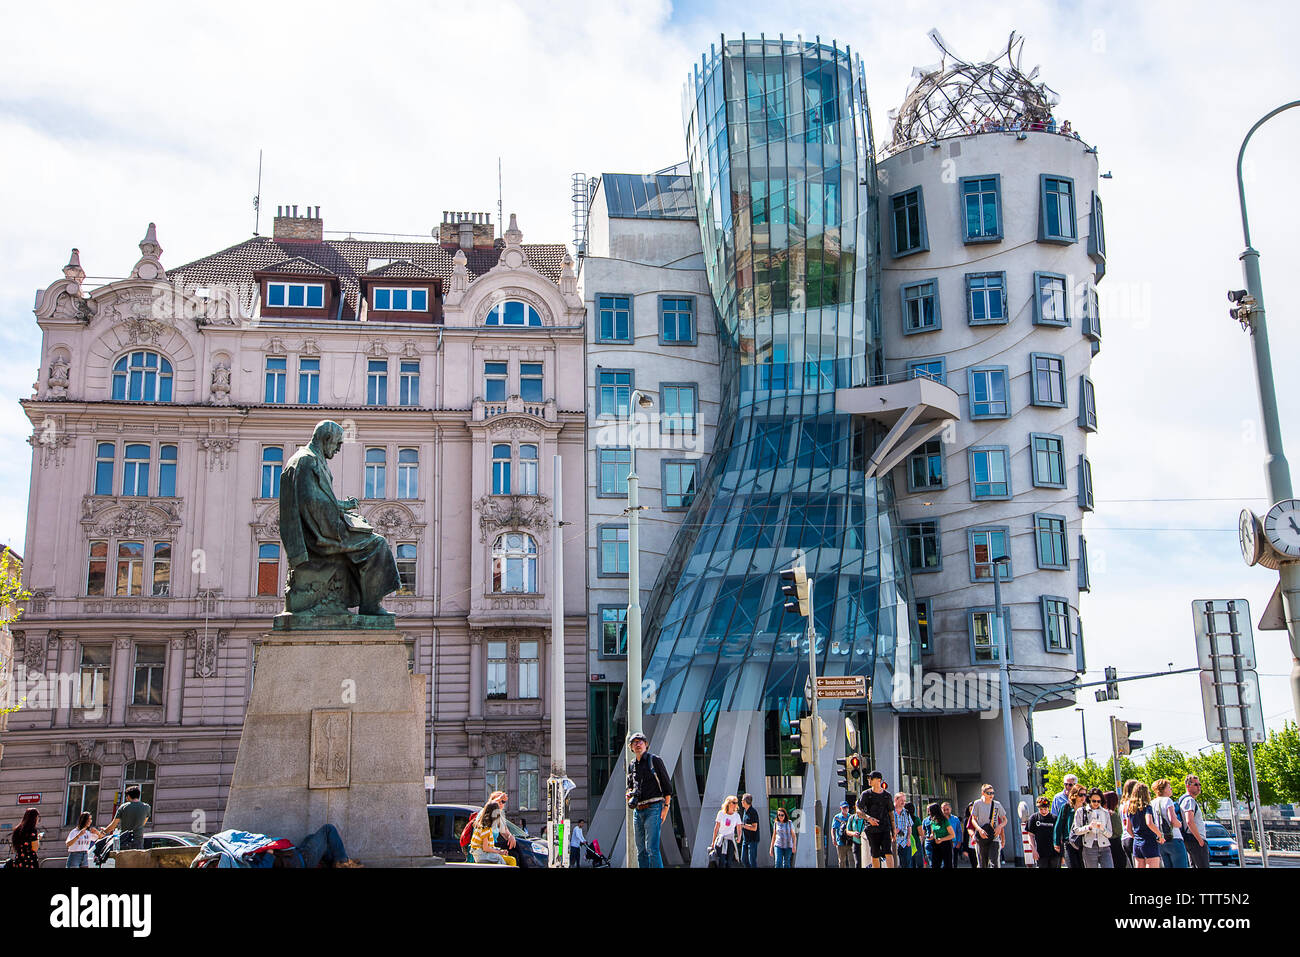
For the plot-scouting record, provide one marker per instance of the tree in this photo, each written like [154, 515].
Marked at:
[1277, 761]
[11, 593]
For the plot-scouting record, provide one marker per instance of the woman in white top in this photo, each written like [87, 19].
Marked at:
[1092, 825]
[726, 832]
[80, 839]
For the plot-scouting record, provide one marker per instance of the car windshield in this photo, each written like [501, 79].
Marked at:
[1216, 830]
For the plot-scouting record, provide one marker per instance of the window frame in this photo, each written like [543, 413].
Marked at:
[601, 653]
[494, 377]
[1044, 235]
[1001, 276]
[309, 381]
[100, 461]
[663, 486]
[275, 381]
[162, 376]
[665, 420]
[286, 285]
[967, 239]
[971, 373]
[539, 377]
[943, 467]
[1087, 417]
[408, 474]
[989, 610]
[600, 387]
[531, 566]
[903, 289]
[274, 475]
[259, 561]
[935, 533]
[1006, 460]
[600, 548]
[414, 562]
[1068, 647]
[410, 298]
[1086, 497]
[376, 382]
[380, 469]
[1039, 318]
[1096, 230]
[501, 481]
[160, 667]
[686, 297]
[1036, 476]
[631, 317]
[926, 643]
[1008, 570]
[408, 383]
[601, 492]
[924, 233]
[914, 365]
[1064, 541]
[1035, 394]
[1085, 573]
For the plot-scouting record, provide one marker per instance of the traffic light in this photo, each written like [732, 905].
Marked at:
[1112, 685]
[1043, 775]
[794, 585]
[1122, 731]
[854, 773]
[801, 736]
[1243, 304]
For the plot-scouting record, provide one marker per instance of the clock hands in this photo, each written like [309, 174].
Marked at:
[1291, 519]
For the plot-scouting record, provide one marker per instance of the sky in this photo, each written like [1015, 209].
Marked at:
[116, 115]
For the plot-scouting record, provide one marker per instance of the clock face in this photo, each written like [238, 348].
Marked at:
[1248, 528]
[1282, 527]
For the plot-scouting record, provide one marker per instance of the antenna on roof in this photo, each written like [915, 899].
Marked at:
[257, 197]
[500, 215]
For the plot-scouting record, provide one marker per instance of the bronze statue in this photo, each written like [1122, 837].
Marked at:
[336, 560]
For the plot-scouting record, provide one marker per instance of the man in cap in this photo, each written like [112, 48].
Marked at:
[649, 794]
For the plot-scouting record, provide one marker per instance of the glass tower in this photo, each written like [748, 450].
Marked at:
[780, 159]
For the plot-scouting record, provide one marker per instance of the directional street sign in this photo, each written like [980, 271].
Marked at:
[842, 686]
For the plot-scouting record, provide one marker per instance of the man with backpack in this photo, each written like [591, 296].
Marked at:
[1198, 852]
[877, 807]
[649, 794]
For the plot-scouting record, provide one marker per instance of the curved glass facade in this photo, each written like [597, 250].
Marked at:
[780, 150]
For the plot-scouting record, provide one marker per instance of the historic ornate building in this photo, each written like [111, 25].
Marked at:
[166, 405]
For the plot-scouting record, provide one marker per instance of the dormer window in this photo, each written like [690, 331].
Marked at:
[401, 300]
[296, 295]
[512, 312]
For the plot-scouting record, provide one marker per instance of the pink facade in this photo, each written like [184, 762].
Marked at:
[152, 536]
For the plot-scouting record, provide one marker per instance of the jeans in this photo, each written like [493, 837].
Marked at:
[575, 857]
[323, 847]
[645, 832]
[1173, 854]
[749, 854]
[1099, 856]
[784, 857]
[940, 854]
[77, 859]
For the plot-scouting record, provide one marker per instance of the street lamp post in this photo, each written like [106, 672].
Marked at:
[1276, 467]
[1011, 849]
[638, 400]
[1083, 726]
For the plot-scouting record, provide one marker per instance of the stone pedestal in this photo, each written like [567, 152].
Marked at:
[334, 734]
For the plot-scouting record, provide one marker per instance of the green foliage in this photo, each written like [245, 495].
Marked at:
[1278, 762]
[11, 593]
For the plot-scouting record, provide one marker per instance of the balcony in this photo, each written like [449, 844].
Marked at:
[484, 409]
[914, 408]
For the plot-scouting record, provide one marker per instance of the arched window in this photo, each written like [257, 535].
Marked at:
[83, 791]
[514, 563]
[142, 774]
[512, 312]
[143, 377]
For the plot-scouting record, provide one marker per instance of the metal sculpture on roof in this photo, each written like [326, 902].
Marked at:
[956, 97]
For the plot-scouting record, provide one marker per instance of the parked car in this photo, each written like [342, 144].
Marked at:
[1221, 844]
[446, 821]
[151, 839]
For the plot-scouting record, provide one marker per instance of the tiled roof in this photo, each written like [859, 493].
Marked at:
[348, 259]
[400, 269]
[298, 265]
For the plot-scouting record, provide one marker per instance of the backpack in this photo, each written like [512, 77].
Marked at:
[467, 834]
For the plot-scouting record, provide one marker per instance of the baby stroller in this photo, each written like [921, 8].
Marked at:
[591, 851]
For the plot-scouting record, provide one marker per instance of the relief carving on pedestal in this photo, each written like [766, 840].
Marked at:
[331, 748]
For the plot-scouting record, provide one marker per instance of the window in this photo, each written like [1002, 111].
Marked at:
[377, 382]
[982, 208]
[1056, 222]
[1050, 300]
[135, 470]
[613, 549]
[1056, 623]
[1085, 484]
[530, 382]
[1091, 316]
[142, 377]
[988, 392]
[105, 462]
[614, 318]
[1087, 405]
[759, 524]
[529, 782]
[501, 460]
[272, 466]
[986, 545]
[613, 631]
[514, 563]
[408, 473]
[529, 668]
[527, 470]
[498, 664]
[936, 369]
[494, 381]
[614, 388]
[401, 300]
[614, 466]
[679, 484]
[908, 212]
[676, 321]
[406, 553]
[1048, 460]
[679, 408]
[1049, 539]
[925, 467]
[162, 569]
[512, 312]
[920, 306]
[923, 610]
[94, 669]
[268, 568]
[167, 471]
[148, 685]
[97, 568]
[989, 473]
[1048, 382]
[495, 772]
[296, 295]
[376, 473]
[308, 381]
[767, 450]
[986, 302]
[141, 774]
[922, 539]
[1097, 234]
[408, 382]
[276, 367]
[1085, 577]
[130, 568]
[984, 643]
[83, 792]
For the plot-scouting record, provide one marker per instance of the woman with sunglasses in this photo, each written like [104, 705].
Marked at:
[1093, 829]
[1064, 837]
[726, 833]
[784, 840]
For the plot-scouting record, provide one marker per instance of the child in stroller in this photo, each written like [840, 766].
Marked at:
[591, 850]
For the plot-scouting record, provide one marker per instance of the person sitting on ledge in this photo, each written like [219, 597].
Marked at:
[325, 541]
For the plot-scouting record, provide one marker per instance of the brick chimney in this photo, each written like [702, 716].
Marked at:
[290, 227]
[463, 230]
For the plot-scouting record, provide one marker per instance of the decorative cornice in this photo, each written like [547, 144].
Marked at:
[503, 512]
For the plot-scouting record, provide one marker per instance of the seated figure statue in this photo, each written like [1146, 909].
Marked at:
[336, 560]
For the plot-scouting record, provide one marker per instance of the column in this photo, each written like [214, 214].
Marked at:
[119, 680]
[175, 680]
[476, 686]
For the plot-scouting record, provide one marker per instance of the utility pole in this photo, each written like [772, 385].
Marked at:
[1012, 848]
[1277, 470]
[557, 823]
[637, 400]
[811, 628]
